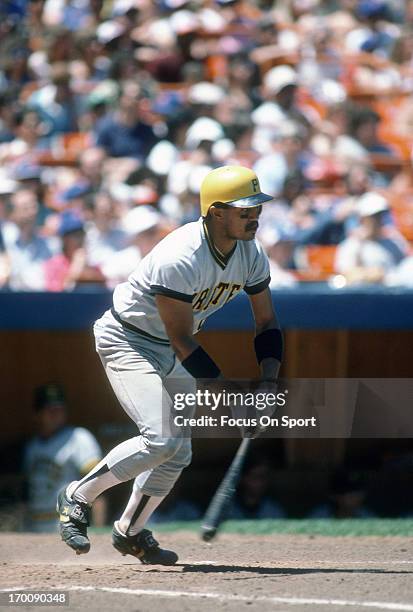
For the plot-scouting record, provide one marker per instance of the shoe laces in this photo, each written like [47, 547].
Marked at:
[146, 539]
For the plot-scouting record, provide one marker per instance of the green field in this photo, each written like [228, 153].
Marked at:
[323, 527]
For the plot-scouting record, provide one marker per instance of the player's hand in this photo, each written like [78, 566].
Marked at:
[264, 393]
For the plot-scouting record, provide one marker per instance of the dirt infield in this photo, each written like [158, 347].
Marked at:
[235, 573]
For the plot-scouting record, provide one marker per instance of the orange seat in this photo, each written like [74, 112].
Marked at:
[386, 163]
[321, 257]
[404, 222]
[178, 86]
[318, 261]
[278, 59]
[66, 149]
[74, 143]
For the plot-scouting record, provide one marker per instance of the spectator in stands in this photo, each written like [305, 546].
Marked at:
[362, 127]
[123, 133]
[29, 177]
[241, 88]
[76, 197]
[289, 213]
[234, 93]
[166, 153]
[252, 500]
[16, 71]
[6, 117]
[104, 237]
[26, 250]
[56, 103]
[206, 100]
[374, 35]
[286, 158]
[4, 263]
[177, 507]
[332, 224]
[401, 275]
[143, 226]
[56, 453]
[28, 138]
[280, 85]
[185, 178]
[280, 250]
[403, 181]
[91, 164]
[346, 498]
[65, 270]
[8, 186]
[367, 255]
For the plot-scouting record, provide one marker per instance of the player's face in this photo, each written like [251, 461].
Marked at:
[242, 223]
[51, 418]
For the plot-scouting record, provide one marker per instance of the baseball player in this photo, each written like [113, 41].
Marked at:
[147, 345]
[57, 454]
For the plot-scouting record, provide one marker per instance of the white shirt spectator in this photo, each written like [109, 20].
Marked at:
[272, 170]
[120, 265]
[101, 246]
[354, 253]
[26, 262]
[402, 276]
[268, 119]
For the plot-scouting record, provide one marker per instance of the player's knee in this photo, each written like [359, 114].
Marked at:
[184, 454]
[166, 448]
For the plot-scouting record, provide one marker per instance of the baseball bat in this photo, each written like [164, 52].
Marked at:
[216, 510]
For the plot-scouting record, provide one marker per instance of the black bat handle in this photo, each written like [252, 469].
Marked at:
[219, 503]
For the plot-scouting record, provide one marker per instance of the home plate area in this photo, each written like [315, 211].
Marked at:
[235, 572]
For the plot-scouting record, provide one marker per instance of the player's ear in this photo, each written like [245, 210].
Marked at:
[216, 211]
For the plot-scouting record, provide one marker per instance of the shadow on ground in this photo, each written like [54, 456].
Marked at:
[222, 569]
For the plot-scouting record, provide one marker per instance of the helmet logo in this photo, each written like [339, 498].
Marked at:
[254, 184]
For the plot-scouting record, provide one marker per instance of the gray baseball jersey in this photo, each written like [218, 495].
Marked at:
[186, 266]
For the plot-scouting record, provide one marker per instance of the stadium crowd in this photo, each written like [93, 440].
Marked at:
[113, 111]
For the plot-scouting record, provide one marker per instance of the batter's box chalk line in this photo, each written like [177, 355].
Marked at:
[292, 601]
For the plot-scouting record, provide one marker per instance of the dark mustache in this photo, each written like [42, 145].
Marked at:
[252, 225]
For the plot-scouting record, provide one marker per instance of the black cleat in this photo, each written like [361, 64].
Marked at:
[73, 522]
[144, 547]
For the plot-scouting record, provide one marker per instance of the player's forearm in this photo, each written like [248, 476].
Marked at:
[183, 346]
[270, 368]
[265, 321]
[194, 359]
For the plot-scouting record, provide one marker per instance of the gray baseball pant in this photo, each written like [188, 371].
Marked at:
[144, 375]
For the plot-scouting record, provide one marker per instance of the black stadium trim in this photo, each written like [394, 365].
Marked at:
[176, 295]
[259, 287]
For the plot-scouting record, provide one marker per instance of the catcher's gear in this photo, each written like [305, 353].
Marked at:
[144, 547]
[233, 185]
[73, 522]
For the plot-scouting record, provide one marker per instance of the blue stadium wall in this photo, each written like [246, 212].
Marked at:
[359, 333]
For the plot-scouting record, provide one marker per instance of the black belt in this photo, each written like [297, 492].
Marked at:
[136, 330]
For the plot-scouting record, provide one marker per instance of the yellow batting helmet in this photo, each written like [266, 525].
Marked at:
[233, 185]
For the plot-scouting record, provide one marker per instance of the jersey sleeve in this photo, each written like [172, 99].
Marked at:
[259, 274]
[174, 278]
[86, 450]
